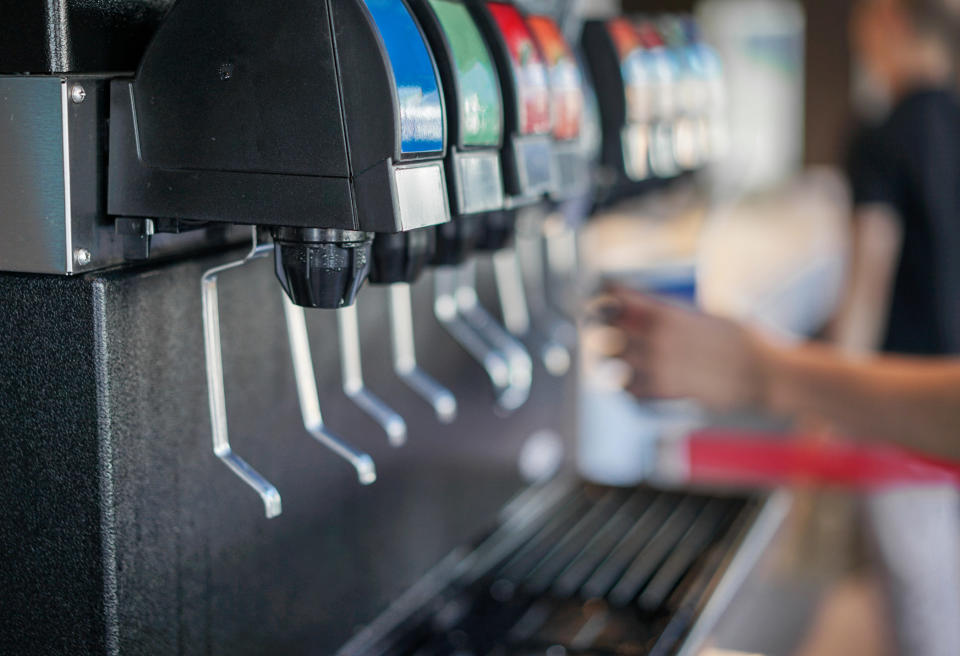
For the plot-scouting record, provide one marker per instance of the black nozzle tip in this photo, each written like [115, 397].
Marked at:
[402, 256]
[498, 230]
[321, 268]
[456, 239]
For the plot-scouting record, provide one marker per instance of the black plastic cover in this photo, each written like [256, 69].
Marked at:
[321, 268]
[401, 257]
[76, 36]
[240, 110]
[457, 239]
[497, 230]
[603, 61]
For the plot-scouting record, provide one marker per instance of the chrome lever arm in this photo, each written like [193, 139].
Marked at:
[518, 359]
[310, 399]
[494, 363]
[405, 357]
[213, 354]
[351, 370]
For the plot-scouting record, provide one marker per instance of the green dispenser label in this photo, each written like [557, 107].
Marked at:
[481, 115]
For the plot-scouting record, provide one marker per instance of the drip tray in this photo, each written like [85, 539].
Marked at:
[571, 569]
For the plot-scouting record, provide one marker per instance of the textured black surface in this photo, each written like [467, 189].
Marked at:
[401, 257]
[320, 269]
[241, 86]
[196, 567]
[76, 35]
[51, 573]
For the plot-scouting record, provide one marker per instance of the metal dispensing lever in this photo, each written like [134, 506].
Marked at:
[518, 359]
[446, 308]
[213, 354]
[405, 357]
[310, 400]
[351, 369]
[541, 329]
[306, 387]
[535, 236]
[563, 262]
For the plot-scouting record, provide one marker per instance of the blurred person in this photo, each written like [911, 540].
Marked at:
[678, 352]
[903, 297]
[905, 175]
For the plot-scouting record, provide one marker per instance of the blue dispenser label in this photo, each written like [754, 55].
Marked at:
[418, 90]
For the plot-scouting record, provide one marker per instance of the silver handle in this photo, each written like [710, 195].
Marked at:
[405, 356]
[562, 265]
[494, 363]
[351, 369]
[518, 359]
[310, 398]
[555, 336]
[213, 354]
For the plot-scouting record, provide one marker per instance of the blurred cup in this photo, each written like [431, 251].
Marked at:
[619, 437]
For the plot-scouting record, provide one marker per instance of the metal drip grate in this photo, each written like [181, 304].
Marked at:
[572, 570]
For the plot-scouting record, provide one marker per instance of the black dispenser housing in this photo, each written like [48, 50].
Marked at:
[291, 120]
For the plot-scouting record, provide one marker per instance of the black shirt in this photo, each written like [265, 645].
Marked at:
[912, 162]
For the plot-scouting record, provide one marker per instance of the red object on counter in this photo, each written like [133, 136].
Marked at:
[716, 456]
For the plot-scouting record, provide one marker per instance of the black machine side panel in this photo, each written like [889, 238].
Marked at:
[52, 574]
[198, 569]
[370, 108]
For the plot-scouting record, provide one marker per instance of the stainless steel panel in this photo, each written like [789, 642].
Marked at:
[33, 200]
[421, 195]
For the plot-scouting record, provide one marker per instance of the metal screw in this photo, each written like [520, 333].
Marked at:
[81, 256]
[77, 94]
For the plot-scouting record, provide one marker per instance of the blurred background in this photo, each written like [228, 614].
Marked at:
[765, 233]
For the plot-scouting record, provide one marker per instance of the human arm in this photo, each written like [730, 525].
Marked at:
[876, 238]
[676, 352]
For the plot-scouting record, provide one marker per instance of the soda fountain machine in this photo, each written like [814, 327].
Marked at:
[163, 165]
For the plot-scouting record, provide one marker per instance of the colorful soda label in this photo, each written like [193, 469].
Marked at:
[418, 90]
[533, 92]
[566, 82]
[633, 69]
[480, 111]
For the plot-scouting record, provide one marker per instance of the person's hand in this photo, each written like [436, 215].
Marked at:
[680, 353]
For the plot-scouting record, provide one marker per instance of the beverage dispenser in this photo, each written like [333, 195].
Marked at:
[615, 56]
[475, 124]
[151, 147]
[282, 136]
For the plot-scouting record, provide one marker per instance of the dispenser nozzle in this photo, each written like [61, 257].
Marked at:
[322, 268]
